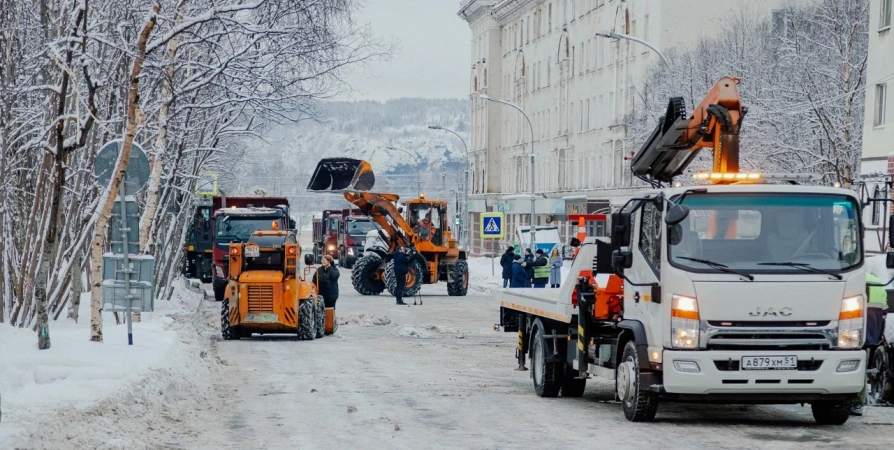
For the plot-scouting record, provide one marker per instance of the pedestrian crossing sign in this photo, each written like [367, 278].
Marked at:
[490, 226]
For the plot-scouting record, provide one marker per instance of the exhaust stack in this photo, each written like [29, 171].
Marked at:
[342, 174]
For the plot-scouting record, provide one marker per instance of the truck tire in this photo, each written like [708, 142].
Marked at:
[880, 385]
[459, 285]
[320, 316]
[363, 276]
[832, 412]
[415, 273]
[639, 405]
[546, 375]
[226, 332]
[571, 385]
[307, 324]
[219, 292]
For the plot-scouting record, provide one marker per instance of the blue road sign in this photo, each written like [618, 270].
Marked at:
[491, 226]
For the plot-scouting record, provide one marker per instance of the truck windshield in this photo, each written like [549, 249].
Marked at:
[767, 233]
[239, 228]
[360, 227]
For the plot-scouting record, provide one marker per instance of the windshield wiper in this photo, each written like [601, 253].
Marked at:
[803, 266]
[719, 266]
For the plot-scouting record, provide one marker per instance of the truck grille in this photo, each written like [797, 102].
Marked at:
[260, 298]
[741, 340]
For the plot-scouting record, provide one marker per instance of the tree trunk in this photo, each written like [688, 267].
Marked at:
[108, 200]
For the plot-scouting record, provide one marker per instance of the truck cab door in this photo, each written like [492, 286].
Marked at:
[645, 272]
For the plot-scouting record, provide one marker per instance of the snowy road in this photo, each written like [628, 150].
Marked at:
[430, 376]
[437, 375]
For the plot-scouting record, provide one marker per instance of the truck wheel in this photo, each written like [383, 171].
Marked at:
[459, 285]
[880, 379]
[307, 324]
[363, 276]
[831, 413]
[572, 386]
[414, 278]
[219, 292]
[639, 405]
[320, 316]
[227, 333]
[546, 375]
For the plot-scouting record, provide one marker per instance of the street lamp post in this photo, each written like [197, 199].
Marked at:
[418, 180]
[531, 127]
[461, 209]
[613, 35]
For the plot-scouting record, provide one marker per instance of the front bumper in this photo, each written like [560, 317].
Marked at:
[719, 373]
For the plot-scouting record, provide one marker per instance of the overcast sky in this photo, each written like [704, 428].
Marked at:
[433, 59]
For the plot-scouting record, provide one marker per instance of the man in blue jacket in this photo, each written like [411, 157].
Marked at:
[401, 267]
[519, 274]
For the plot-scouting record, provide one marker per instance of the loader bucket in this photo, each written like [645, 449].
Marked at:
[342, 174]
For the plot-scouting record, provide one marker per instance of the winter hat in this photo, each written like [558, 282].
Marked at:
[539, 251]
[517, 258]
[510, 249]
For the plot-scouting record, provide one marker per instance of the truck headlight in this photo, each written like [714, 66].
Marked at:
[684, 321]
[351, 251]
[331, 247]
[850, 322]
[219, 271]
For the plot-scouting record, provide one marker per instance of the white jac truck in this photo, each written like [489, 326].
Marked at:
[750, 289]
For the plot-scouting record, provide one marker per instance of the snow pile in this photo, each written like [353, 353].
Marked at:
[480, 272]
[77, 373]
[362, 319]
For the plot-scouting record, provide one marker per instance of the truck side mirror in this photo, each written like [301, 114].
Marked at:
[891, 230]
[291, 224]
[676, 213]
[621, 222]
[308, 259]
[889, 260]
[622, 259]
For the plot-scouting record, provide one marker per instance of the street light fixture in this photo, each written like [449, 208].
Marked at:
[618, 36]
[465, 192]
[415, 157]
[531, 127]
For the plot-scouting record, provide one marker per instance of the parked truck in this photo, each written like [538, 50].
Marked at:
[352, 233]
[325, 234]
[234, 220]
[736, 290]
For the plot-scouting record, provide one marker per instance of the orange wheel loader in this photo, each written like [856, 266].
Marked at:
[265, 293]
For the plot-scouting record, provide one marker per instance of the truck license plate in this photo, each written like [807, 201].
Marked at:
[262, 318]
[252, 251]
[769, 363]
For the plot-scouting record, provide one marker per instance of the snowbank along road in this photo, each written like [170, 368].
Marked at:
[429, 376]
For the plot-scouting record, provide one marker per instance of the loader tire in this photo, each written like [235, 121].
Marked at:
[363, 276]
[226, 332]
[414, 275]
[320, 317]
[307, 324]
[459, 283]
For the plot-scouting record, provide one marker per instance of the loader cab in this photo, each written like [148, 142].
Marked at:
[428, 220]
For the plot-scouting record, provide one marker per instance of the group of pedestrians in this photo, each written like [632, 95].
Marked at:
[534, 270]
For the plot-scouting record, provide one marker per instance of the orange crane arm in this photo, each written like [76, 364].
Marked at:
[380, 207]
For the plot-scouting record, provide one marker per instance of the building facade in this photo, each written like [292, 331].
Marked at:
[576, 88]
[877, 167]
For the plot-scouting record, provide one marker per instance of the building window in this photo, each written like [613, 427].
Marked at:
[881, 100]
[885, 19]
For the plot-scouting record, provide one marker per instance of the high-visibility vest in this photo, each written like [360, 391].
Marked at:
[878, 296]
[542, 271]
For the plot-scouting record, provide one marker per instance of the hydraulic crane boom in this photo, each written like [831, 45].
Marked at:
[675, 142]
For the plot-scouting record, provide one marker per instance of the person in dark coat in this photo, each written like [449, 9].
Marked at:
[519, 274]
[326, 279]
[401, 261]
[541, 270]
[506, 264]
[529, 266]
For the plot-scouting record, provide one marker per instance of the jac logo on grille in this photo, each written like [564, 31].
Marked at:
[771, 311]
